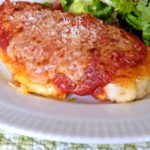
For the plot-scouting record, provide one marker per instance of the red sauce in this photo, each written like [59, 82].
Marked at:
[57, 5]
[64, 83]
[4, 39]
[99, 90]
[88, 20]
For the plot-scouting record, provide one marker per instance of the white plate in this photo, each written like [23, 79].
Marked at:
[72, 122]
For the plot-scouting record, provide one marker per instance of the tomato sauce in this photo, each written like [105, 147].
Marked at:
[4, 39]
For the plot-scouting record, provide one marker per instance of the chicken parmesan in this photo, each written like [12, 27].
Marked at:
[54, 54]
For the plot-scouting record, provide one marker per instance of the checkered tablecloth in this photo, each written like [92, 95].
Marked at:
[10, 141]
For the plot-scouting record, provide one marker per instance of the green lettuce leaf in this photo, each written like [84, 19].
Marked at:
[66, 4]
[144, 8]
[124, 6]
[100, 10]
[94, 7]
[137, 14]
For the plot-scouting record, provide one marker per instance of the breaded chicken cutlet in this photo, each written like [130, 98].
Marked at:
[52, 53]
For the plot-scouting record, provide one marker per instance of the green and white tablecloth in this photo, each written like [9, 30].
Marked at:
[9, 141]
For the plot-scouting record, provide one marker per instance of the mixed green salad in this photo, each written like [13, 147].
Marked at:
[132, 15]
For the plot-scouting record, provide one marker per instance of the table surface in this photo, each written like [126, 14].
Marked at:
[11, 141]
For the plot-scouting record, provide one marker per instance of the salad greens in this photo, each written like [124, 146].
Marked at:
[137, 14]
[95, 7]
[134, 13]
